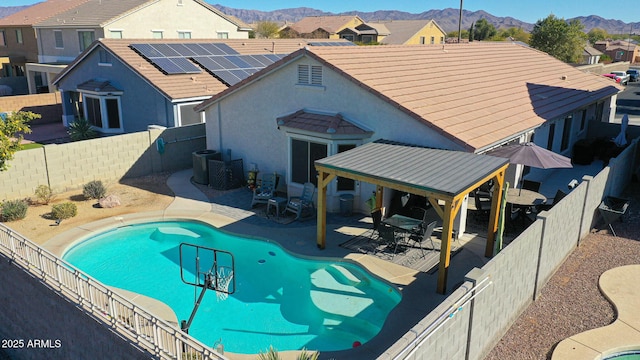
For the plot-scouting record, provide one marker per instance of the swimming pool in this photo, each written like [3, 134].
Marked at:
[626, 355]
[280, 299]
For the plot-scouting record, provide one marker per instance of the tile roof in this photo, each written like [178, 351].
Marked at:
[102, 12]
[331, 24]
[477, 94]
[187, 85]
[333, 124]
[39, 12]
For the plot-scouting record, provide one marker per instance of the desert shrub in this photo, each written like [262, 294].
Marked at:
[81, 129]
[14, 210]
[94, 190]
[44, 194]
[64, 211]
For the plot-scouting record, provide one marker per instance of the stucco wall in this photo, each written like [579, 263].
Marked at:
[48, 105]
[245, 122]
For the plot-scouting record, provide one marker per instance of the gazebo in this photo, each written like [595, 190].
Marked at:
[442, 176]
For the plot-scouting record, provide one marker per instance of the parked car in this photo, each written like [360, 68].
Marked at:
[624, 77]
[613, 77]
[633, 74]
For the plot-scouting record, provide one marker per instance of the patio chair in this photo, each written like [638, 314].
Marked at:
[265, 191]
[426, 235]
[483, 203]
[299, 204]
[387, 236]
[556, 199]
[531, 185]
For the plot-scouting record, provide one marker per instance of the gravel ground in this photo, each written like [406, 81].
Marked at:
[571, 302]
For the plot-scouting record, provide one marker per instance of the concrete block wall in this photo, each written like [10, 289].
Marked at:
[519, 271]
[69, 166]
[55, 328]
[27, 170]
[48, 105]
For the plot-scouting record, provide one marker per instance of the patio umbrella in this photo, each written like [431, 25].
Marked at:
[530, 154]
[621, 139]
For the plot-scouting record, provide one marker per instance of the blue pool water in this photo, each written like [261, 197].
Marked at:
[280, 300]
[626, 355]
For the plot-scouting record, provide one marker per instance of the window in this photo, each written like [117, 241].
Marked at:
[57, 36]
[433, 40]
[3, 40]
[156, 34]
[423, 40]
[566, 132]
[85, 38]
[619, 54]
[103, 112]
[441, 39]
[303, 155]
[116, 34]
[552, 134]
[309, 75]
[348, 37]
[367, 39]
[105, 57]
[19, 36]
[223, 35]
[345, 184]
[184, 34]
[188, 116]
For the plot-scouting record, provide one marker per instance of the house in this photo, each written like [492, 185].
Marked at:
[64, 29]
[590, 55]
[411, 32]
[120, 87]
[320, 101]
[18, 40]
[364, 33]
[320, 27]
[619, 50]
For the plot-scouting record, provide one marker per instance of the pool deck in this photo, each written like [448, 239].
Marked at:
[619, 286]
[419, 296]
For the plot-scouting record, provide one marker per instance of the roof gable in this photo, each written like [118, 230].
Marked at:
[40, 12]
[330, 24]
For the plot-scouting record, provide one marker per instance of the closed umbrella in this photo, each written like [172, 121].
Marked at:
[621, 139]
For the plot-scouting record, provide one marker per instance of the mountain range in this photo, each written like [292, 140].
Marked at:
[446, 18]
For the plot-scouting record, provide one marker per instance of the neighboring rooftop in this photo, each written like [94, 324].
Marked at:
[39, 12]
[330, 24]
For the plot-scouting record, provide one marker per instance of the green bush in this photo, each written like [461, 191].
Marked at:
[94, 190]
[44, 194]
[64, 211]
[81, 130]
[13, 210]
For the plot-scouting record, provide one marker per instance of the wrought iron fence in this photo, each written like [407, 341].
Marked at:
[155, 335]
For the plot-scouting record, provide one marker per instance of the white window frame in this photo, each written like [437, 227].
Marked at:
[118, 32]
[178, 114]
[223, 34]
[58, 39]
[184, 34]
[104, 57]
[104, 118]
[155, 33]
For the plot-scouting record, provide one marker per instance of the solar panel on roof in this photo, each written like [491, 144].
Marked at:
[146, 50]
[187, 66]
[166, 50]
[228, 77]
[196, 49]
[332, 43]
[238, 61]
[183, 50]
[167, 66]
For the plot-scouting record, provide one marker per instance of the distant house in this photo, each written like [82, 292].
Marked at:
[364, 33]
[320, 27]
[590, 55]
[123, 85]
[321, 101]
[411, 32]
[619, 50]
[65, 28]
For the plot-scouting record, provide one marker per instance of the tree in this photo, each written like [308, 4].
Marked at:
[516, 34]
[266, 30]
[482, 30]
[597, 34]
[12, 132]
[562, 40]
[471, 34]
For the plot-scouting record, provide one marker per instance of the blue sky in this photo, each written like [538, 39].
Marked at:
[528, 10]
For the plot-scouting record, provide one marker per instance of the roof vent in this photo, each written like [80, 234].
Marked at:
[564, 77]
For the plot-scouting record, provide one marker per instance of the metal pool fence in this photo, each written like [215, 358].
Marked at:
[138, 326]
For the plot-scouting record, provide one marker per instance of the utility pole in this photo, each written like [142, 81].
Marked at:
[460, 24]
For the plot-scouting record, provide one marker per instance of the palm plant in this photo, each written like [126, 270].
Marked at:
[81, 129]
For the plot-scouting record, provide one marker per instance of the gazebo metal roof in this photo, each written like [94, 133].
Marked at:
[436, 174]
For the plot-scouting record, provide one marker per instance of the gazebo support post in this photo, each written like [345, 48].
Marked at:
[495, 213]
[451, 208]
[321, 229]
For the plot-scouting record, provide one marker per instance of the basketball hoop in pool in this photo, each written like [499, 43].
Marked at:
[209, 269]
